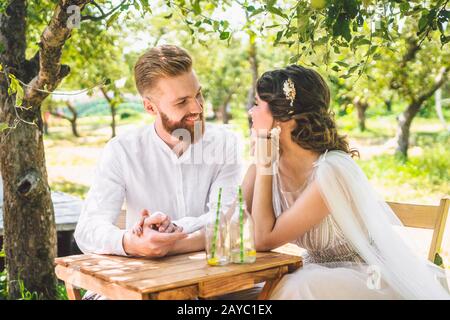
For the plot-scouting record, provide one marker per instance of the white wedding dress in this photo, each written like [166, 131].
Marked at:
[355, 252]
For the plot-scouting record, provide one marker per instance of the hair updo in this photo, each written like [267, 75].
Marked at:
[316, 128]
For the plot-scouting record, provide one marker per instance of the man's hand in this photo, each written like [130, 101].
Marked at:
[151, 243]
[165, 226]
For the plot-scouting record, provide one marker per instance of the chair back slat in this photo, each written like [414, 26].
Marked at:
[416, 216]
[427, 217]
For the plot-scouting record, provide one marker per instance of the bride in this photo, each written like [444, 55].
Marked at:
[306, 188]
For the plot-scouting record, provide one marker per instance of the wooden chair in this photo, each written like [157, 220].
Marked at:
[425, 216]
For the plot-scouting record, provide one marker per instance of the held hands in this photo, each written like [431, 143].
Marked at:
[164, 223]
[146, 239]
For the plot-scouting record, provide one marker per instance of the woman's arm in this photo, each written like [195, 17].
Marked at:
[248, 186]
[307, 211]
[194, 242]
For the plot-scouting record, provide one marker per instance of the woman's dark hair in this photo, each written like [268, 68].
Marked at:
[316, 128]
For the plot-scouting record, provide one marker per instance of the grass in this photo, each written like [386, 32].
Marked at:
[421, 179]
[75, 189]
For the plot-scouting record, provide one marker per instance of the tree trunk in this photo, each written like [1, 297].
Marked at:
[29, 228]
[27, 208]
[45, 125]
[223, 108]
[388, 103]
[72, 120]
[113, 121]
[112, 107]
[405, 119]
[29, 222]
[404, 125]
[361, 108]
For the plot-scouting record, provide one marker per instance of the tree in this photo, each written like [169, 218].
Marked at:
[421, 71]
[28, 210]
[56, 110]
[30, 233]
[113, 103]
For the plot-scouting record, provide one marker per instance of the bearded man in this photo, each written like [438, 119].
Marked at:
[167, 172]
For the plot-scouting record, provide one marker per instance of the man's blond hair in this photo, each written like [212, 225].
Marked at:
[159, 62]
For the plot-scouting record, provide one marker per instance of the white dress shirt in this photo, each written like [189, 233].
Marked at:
[139, 168]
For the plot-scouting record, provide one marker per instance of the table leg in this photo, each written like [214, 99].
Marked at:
[73, 293]
[268, 288]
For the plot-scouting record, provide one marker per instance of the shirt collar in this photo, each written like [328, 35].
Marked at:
[187, 154]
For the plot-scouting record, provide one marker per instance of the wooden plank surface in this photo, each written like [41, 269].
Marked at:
[85, 281]
[414, 215]
[145, 276]
[67, 211]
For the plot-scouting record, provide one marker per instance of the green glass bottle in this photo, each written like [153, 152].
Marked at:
[217, 238]
[242, 234]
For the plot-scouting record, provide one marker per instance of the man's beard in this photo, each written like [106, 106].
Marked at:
[175, 128]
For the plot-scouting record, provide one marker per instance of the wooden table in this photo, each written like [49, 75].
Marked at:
[185, 276]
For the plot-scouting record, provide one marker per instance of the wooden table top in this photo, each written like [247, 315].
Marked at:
[144, 275]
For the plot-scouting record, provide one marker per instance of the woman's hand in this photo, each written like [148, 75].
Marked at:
[262, 118]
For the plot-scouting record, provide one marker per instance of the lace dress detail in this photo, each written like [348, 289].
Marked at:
[324, 243]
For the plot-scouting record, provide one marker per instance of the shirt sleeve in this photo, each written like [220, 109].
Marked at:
[96, 231]
[229, 177]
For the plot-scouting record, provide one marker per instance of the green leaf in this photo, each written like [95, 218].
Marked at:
[364, 41]
[3, 126]
[196, 7]
[342, 63]
[294, 59]
[423, 21]
[256, 12]
[224, 35]
[216, 25]
[112, 19]
[19, 95]
[225, 24]
[276, 11]
[404, 7]
[444, 39]
[278, 38]
[342, 28]
[145, 5]
[377, 56]
[438, 260]
[352, 69]
[372, 50]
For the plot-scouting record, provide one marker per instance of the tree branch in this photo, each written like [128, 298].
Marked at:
[53, 38]
[98, 6]
[103, 14]
[105, 94]
[441, 78]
